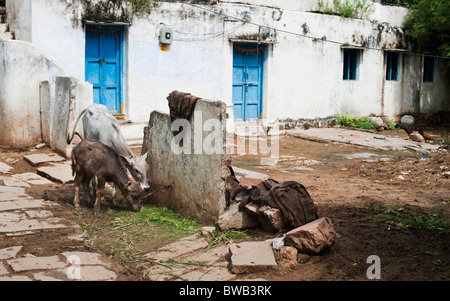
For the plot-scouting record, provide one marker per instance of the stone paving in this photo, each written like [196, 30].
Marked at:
[361, 138]
[22, 215]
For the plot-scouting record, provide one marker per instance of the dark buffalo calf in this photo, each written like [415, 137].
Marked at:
[93, 159]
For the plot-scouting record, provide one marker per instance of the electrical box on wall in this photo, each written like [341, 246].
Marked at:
[166, 36]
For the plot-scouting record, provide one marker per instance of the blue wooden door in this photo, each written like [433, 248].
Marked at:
[247, 81]
[103, 64]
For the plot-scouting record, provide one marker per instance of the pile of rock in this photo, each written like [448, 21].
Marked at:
[278, 208]
[248, 257]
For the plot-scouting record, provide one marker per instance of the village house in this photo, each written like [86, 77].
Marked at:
[268, 60]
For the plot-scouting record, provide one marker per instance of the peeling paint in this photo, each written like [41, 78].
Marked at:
[101, 11]
[290, 123]
[383, 36]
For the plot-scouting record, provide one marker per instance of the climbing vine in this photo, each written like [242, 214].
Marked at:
[141, 7]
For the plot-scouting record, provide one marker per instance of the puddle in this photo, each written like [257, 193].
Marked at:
[369, 157]
[300, 168]
[359, 155]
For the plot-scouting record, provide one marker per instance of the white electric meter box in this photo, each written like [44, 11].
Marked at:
[166, 36]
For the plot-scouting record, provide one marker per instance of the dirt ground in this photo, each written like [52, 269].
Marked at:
[403, 221]
[373, 211]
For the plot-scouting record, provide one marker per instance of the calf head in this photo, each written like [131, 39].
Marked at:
[133, 194]
[137, 165]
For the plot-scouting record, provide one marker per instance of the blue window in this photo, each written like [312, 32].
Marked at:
[391, 65]
[350, 64]
[428, 69]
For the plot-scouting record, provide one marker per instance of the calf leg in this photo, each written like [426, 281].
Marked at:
[76, 200]
[94, 186]
[100, 192]
[85, 183]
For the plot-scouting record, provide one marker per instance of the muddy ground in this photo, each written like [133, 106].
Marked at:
[403, 221]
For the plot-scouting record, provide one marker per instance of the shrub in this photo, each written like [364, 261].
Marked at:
[347, 8]
[355, 122]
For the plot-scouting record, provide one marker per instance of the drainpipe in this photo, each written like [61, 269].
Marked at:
[401, 82]
[382, 84]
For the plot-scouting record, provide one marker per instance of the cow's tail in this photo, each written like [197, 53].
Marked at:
[70, 138]
[73, 164]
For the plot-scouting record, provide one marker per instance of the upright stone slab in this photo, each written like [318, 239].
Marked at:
[198, 169]
[71, 97]
[45, 101]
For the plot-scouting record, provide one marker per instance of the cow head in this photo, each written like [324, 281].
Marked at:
[137, 165]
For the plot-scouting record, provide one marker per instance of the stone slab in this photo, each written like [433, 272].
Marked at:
[39, 213]
[36, 263]
[37, 159]
[85, 258]
[5, 168]
[11, 193]
[210, 274]
[86, 273]
[367, 139]
[252, 256]
[11, 182]
[32, 178]
[211, 256]
[199, 195]
[21, 204]
[3, 270]
[178, 248]
[15, 278]
[240, 172]
[10, 252]
[18, 222]
[162, 273]
[50, 275]
[61, 173]
[96, 273]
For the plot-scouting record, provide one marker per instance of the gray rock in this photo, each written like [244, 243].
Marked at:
[377, 121]
[233, 218]
[313, 237]
[287, 257]
[274, 217]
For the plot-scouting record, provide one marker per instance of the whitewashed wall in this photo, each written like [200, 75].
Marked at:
[302, 76]
[22, 67]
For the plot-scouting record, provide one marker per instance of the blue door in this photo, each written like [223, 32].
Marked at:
[247, 81]
[103, 64]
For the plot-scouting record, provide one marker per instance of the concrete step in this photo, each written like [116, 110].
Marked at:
[6, 35]
[255, 129]
[133, 132]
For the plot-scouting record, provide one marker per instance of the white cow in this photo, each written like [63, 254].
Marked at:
[99, 124]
